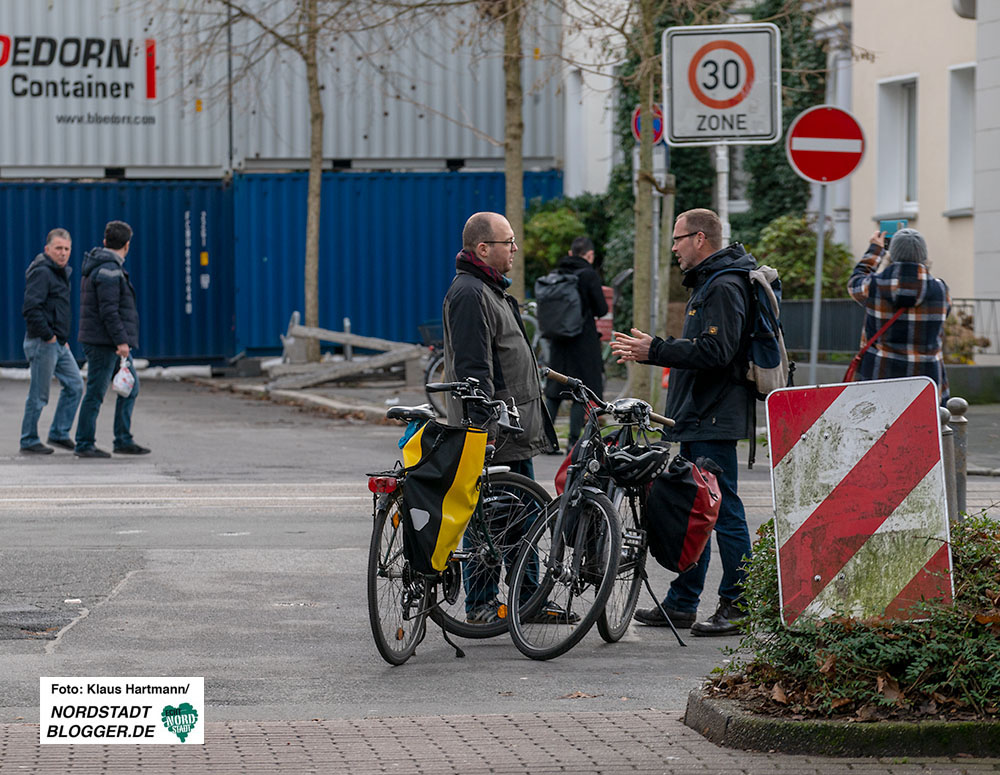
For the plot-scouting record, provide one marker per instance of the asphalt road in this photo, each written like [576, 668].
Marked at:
[236, 551]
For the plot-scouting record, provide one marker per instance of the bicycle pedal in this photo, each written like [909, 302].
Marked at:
[634, 538]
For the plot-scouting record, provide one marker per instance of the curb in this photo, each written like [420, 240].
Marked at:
[368, 413]
[724, 723]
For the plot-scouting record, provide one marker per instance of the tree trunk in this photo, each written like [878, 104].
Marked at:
[315, 174]
[639, 379]
[513, 146]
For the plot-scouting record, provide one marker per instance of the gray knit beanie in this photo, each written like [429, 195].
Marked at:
[908, 245]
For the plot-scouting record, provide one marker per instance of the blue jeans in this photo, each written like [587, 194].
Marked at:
[45, 360]
[102, 363]
[731, 533]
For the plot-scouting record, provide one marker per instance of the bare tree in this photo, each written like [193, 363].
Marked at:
[253, 34]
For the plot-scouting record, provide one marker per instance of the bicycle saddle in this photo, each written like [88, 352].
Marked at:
[410, 413]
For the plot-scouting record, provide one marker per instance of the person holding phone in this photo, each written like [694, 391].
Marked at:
[914, 344]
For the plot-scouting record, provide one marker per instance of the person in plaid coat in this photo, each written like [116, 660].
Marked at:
[913, 344]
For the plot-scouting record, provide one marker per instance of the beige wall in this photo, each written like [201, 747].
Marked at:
[922, 38]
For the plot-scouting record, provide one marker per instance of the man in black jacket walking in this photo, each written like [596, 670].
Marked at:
[47, 314]
[109, 331]
[710, 402]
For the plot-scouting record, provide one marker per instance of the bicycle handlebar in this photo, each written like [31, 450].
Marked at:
[469, 393]
[577, 384]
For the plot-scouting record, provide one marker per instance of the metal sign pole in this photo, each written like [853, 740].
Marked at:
[817, 285]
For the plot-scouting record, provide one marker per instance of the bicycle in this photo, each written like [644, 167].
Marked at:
[400, 599]
[633, 464]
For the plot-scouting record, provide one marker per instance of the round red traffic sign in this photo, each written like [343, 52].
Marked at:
[734, 82]
[657, 123]
[825, 144]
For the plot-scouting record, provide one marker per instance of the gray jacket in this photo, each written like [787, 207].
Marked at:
[484, 338]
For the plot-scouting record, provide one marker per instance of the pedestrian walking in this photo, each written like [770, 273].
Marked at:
[913, 345]
[711, 404]
[47, 315]
[484, 338]
[578, 356]
[109, 332]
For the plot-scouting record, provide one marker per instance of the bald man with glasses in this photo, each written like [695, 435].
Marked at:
[484, 338]
[711, 404]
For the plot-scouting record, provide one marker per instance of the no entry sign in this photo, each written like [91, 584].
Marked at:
[825, 144]
[861, 523]
[723, 84]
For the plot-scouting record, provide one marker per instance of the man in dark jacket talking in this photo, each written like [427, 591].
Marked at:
[710, 402]
[109, 331]
[47, 315]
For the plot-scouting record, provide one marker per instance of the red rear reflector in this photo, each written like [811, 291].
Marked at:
[382, 483]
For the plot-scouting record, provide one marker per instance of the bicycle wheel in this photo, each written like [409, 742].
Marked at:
[617, 613]
[435, 373]
[563, 593]
[397, 596]
[473, 600]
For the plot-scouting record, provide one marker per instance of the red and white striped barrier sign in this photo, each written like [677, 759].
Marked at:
[861, 521]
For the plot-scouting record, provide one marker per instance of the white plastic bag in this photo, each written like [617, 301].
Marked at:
[124, 382]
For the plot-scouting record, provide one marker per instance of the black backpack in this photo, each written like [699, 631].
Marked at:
[560, 308]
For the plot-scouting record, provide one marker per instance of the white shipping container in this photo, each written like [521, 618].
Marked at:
[87, 85]
[406, 96]
[90, 84]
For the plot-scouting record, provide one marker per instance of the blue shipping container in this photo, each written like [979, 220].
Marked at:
[180, 262]
[387, 248]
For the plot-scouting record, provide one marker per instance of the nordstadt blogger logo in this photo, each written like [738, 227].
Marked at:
[127, 710]
[42, 67]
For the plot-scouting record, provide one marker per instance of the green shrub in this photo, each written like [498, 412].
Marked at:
[945, 663]
[547, 237]
[788, 244]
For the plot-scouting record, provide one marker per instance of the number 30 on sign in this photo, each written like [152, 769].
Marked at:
[723, 84]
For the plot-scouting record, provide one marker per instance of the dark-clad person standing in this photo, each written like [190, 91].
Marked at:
[579, 356]
[109, 332]
[48, 316]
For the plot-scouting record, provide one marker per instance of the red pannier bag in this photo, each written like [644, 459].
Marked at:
[681, 511]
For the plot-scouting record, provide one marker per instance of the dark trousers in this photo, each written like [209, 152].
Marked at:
[102, 363]
[731, 533]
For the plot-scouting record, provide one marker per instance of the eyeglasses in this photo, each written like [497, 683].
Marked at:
[684, 236]
[508, 242]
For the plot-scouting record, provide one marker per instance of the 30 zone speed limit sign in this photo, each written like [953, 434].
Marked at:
[722, 84]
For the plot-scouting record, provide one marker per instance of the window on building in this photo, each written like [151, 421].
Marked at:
[961, 138]
[897, 185]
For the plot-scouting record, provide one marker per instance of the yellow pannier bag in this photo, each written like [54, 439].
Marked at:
[443, 465]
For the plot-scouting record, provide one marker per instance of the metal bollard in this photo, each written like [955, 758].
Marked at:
[960, 425]
[348, 349]
[948, 451]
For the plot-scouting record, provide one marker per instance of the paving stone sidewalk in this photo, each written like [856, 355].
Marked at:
[642, 742]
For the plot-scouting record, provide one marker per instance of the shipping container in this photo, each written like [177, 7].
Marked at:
[88, 85]
[407, 95]
[387, 248]
[124, 88]
[180, 262]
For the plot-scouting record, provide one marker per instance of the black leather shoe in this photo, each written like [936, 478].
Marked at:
[725, 620]
[652, 617]
[91, 452]
[64, 443]
[131, 449]
[37, 449]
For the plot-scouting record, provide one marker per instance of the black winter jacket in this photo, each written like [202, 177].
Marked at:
[108, 313]
[47, 308]
[580, 356]
[707, 397]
